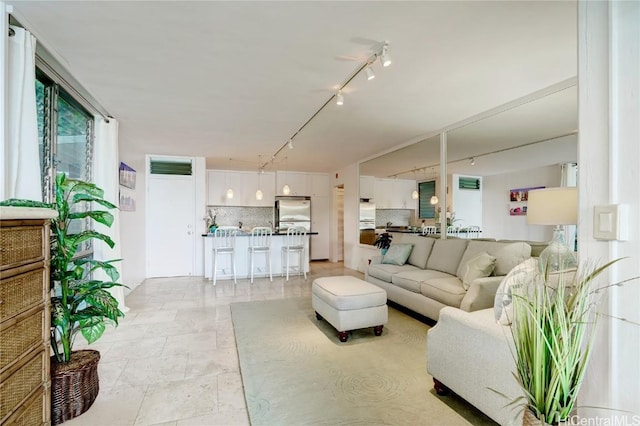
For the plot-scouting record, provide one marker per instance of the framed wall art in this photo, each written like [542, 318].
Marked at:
[518, 200]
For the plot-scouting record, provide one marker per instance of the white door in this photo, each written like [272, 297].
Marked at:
[170, 226]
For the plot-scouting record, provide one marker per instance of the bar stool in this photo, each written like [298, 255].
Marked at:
[224, 243]
[294, 243]
[260, 242]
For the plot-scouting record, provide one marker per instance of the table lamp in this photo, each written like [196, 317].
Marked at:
[554, 206]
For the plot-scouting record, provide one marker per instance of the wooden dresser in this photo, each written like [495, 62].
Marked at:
[24, 316]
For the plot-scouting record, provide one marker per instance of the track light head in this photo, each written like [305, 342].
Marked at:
[369, 72]
[290, 143]
[385, 57]
[339, 98]
[473, 161]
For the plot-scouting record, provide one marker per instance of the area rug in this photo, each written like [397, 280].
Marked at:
[296, 372]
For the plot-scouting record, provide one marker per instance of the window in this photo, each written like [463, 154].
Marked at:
[65, 136]
[426, 190]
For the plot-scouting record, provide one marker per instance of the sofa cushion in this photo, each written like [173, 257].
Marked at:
[383, 271]
[446, 254]
[448, 291]
[397, 254]
[412, 280]
[509, 256]
[479, 266]
[421, 249]
[475, 248]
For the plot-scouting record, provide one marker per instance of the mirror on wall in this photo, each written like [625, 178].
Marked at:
[522, 143]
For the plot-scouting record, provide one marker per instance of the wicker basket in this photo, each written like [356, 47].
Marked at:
[74, 385]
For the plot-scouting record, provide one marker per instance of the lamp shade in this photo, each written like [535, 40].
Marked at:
[553, 206]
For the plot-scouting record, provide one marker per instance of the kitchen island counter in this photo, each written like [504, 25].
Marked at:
[242, 257]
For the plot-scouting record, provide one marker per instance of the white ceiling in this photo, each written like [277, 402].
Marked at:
[231, 80]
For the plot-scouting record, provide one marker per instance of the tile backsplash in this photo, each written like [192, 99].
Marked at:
[397, 217]
[249, 216]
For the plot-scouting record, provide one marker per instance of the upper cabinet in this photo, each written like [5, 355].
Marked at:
[303, 184]
[367, 185]
[244, 186]
[393, 193]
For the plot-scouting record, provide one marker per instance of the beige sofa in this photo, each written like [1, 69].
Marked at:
[432, 276]
[470, 353]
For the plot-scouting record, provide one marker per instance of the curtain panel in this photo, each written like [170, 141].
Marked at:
[22, 168]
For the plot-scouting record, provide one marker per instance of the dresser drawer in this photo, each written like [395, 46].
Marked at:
[20, 292]
[20, 245]
[21, 334]
[33, 412]
[20, 382]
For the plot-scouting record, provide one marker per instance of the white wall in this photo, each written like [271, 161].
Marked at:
[608, 173]
[467, 203]
[350, 178]
[496, 222]
[132, 224]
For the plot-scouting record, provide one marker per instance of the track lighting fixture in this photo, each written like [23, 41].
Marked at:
[473, 161]
[385, 57]
[379, 51]
[369, 72]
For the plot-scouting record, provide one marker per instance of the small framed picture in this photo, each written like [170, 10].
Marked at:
[518, 200]
[127, 176]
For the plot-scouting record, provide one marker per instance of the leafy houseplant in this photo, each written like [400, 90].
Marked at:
[553, 328]
[80, 303]
[383, 241]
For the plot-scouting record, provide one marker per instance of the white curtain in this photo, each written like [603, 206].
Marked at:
[22, 168]
[106, 176]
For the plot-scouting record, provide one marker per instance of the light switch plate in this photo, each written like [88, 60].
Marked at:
[610, 222]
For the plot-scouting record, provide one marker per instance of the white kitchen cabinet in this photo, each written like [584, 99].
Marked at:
[394, 194]
[320, 223]
[367, 185]
[320, 184]
[244, 186]
[298, 182]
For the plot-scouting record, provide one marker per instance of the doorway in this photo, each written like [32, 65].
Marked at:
[338, 245]
[170, 224]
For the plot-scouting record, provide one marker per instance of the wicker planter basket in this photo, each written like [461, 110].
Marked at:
[74, 385]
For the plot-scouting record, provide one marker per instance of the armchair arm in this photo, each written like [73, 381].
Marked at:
[481, 294]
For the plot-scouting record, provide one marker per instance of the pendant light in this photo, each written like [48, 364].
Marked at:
[285, 189]
[229, 189]
[415, 195]
[433, 200]
[260, 172]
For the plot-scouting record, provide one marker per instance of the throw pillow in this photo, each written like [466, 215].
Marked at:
[397, 254]
[522, 274]
[479, 266]
[511, 255]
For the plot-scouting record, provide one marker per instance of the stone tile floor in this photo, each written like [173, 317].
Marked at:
[173, 359]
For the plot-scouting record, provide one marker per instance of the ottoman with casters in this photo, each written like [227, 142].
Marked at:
[349, 303]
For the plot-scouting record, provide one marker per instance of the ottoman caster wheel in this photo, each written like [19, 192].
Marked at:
[440, 388]
[343, 336]
[318, 317]
[377, 330]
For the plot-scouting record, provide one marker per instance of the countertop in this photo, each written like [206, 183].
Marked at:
[247, 234]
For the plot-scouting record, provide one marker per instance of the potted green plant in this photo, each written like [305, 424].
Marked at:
[383, 242]
[553, 329]
[80, 303]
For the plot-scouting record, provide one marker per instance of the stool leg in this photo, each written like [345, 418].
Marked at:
[268, 252]
[215, 263]
[233, 266]
[288, 260]
[251, 265]
[302, 263]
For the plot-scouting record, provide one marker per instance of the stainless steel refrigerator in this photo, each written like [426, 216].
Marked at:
[293, 211]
